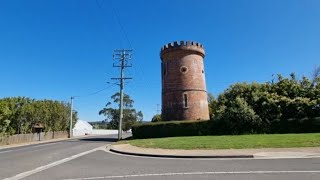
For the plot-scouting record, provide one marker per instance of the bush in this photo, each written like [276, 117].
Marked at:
[171, 129]
[238, 118]
[303, 125]
[156, 118]
[220, 126]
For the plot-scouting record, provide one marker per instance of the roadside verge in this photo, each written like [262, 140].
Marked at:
[128, 149]
[267, 153]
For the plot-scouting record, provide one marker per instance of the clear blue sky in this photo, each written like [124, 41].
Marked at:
[57, 49]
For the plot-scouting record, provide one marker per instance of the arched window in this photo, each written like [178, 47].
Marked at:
[185, 100]
[164, 69]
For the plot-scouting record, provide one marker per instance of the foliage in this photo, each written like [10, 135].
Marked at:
[213, 105]
[4, 122]
[19, 114]
[263, 107]
[239, 117]
[100, 125]
[130, 115]
[156, 118]
[170, 129]
[218, 127]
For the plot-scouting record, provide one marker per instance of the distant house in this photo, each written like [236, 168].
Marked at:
[82, 128]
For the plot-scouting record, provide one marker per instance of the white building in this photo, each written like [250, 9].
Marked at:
[82, 128]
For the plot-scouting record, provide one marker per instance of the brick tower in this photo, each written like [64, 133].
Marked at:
[184, 95]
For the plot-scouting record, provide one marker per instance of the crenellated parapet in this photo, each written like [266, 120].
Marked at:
[192, 46]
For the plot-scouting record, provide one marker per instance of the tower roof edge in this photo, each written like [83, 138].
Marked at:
[183, 45]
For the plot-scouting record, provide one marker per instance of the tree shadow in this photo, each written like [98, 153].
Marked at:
[97, 139]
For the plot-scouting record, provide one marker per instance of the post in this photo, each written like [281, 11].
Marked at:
[121, 55]
[121, 96]
[71, 110]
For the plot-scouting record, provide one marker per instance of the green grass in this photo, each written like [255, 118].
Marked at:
[231, 142]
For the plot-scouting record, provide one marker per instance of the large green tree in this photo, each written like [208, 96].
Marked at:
[19, 114]
[262, 107]
[130, 114]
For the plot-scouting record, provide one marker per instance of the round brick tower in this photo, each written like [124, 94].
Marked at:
[184, 95]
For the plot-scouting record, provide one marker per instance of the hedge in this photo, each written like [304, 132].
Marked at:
[219, 127]
[303, 125]
[170, 129]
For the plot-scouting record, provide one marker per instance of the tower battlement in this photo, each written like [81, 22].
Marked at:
[195, 47]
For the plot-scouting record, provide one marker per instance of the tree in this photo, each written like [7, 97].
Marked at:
[316, 76]
[213, 105]
[156, 118]
[239, 117]
[4, 122]
[130, 115]
[19, 114]
[286, 99]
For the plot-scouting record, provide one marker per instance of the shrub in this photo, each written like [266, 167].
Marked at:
[303, 125]
[238, 118]
[221, 126]
[156, 118]
[171, 129]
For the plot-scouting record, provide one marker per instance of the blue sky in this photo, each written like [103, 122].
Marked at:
[57, 49]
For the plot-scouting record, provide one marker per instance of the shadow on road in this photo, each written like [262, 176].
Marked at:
[97, 139]
[103, 138]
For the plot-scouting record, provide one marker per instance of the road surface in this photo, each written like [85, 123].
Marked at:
[88, 159]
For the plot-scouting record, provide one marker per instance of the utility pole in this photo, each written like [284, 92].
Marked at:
[71, 110]
[157, 108]
[122, 56]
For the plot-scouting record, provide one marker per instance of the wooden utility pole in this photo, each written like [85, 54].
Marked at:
[122, 57]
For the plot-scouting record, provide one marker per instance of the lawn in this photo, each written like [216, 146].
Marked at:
[231, 142]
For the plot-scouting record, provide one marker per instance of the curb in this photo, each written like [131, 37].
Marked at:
[180, 156]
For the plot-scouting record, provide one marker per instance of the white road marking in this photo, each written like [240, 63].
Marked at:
[41, 168]
[5, 151]
[193, 173]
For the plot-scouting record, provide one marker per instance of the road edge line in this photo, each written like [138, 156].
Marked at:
[190, 173]
[53, 164]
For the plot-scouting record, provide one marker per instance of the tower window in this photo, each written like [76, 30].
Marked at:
[164, 69]
[185, 100]
[183, 69]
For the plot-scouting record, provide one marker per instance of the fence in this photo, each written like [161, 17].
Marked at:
[104, 131]
[25, 138]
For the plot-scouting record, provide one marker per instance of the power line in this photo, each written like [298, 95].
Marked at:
[115, 13]
[158, 111]
[98, 4]
[93, 93]
[121, 26]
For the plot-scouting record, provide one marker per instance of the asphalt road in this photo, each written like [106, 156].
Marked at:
[32, 162]
[20, 159]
